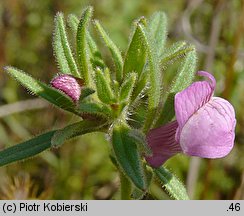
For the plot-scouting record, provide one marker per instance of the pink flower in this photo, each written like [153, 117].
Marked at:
[204, 125]
[68, 84]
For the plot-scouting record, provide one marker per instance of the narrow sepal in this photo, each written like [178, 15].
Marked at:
[104, 91]
[127, 87]
[136, 54]
[95, 55]
[73, 23]
[62, 49]
[116, 54]
[81, 46]
[141, 86]
[183, 79]
[154, 77]
[157, 28]
[175, 52]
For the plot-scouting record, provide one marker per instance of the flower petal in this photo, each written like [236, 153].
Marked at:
[209, 133]
[188, 101]
[162, 143]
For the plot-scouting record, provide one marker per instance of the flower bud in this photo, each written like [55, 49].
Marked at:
[68, 84]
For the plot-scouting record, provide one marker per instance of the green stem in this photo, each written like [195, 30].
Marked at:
[125, 187]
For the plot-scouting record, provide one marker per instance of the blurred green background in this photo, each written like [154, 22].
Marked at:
[81, 169]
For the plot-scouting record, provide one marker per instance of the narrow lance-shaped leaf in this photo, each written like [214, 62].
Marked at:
[104, 91]
[85, 92]
[38, 88]
[154, 78]
[114, 51]
[62, 50]
[82, 51]
[182, 80]
[95, 110]
[157, 28]
[127, 155]
[136, 54]
[141, 86]
[186, 73]
[95, 55]
[175, 52]
[26, 149]
[171, 184]
[74, 130]
[107, 75]
[127, 87]
[138, 194]
[73, 23]
[44, 141]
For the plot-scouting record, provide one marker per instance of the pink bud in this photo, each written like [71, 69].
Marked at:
[68, 84]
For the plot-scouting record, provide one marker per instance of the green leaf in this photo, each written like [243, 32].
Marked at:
[171, 184]
[113, 49]
[61, 48]
[26, 149]
[38, 88]
[136, 54]
[127, 155]
[127, 87]
[95, 55]
[182, 80]
[154, 77]
[75, 130]
[186, 72]
[138, 194]
[85, 92]
[104, 91]
[95, 109]
[141, 85]
[82, 50]
[175, 52]
[73, 23]
[157, 28]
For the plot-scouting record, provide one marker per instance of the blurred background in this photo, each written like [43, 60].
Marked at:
[81, 168]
